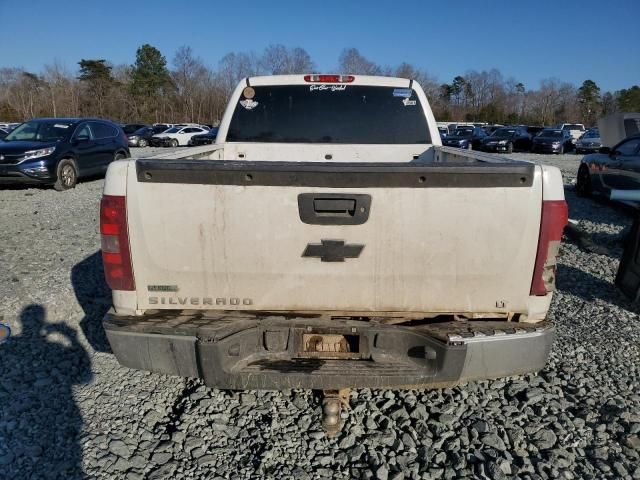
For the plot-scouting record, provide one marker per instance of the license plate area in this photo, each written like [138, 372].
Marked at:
[331, 344]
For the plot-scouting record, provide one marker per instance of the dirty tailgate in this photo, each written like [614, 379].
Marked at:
[340, 237]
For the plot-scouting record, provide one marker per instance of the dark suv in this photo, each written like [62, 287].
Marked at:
[58, 151]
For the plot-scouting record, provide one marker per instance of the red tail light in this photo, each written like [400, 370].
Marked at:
[115, 243]
[555, 216]
[329, 78]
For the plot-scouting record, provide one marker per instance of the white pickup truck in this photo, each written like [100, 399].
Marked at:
[327, 241]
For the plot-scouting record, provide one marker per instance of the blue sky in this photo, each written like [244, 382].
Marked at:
[528, 40]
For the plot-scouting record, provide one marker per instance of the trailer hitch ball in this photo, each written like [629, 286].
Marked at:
[332, 405]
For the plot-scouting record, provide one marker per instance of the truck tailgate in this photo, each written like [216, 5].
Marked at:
[292, 236]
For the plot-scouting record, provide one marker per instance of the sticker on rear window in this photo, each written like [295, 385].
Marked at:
[249, 104]
[402, 92]
[249, 92]
[408, 102]
[332, 88]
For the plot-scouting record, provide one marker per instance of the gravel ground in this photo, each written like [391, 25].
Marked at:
[68, 410]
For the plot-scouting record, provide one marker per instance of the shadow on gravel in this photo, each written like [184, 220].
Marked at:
[40, 423]
[94, 296]
[597, 208]
[589, 287]
[600, 243]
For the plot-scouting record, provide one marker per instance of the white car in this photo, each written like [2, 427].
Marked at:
[575, 129]
[181, 135]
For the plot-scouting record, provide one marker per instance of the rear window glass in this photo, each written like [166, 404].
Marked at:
[321, 113]
[573, 127]
[102, 130]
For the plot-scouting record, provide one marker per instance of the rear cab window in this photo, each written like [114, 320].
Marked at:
[329, 113]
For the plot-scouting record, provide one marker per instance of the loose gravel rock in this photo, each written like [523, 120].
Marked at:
[68, 410]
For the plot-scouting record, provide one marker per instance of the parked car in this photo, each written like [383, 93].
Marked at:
[611, 168]
[129, 128]
[576, 130]
[466, 137]
[589, 142]
[8, 126]
[507, 139]
[205, 138]
[58, 151]
[177, 136]
[3, 133]
[552, 140]
[443, 131]
[142, 137]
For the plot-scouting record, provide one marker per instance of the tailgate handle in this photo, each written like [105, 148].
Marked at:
[334, 208]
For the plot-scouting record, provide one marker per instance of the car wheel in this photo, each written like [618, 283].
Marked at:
[67, 175]
[142, 143]
[174, 142]
[583, 183]
[509, 147]
[578, 151]
[119, 156]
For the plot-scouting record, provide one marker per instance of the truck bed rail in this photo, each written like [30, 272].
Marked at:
[471, 174]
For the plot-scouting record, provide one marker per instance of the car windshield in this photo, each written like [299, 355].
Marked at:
[330, 113]
[504, 132]
[141, 131]
[173, 130]
[551, 133]
[130, 128]
[573, 127]
[463, 132]
[592, 134]
[49, 131]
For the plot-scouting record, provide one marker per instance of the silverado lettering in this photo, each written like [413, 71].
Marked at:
[233, 301]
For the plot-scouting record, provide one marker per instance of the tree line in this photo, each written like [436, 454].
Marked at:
[187, 90]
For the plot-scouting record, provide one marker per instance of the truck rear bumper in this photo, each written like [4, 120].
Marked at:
[239, 351]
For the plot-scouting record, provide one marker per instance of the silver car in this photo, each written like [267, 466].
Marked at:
[590, 142]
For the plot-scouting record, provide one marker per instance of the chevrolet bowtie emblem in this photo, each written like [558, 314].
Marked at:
[332, 250]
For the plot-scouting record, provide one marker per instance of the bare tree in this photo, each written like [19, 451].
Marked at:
[351, 61]
[234, 67]
[280, 60]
